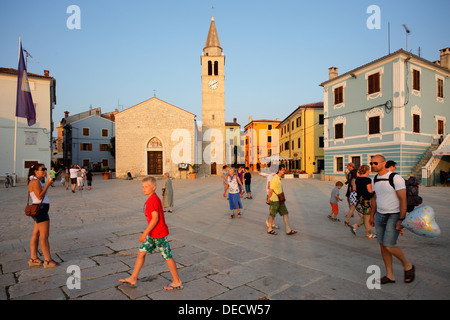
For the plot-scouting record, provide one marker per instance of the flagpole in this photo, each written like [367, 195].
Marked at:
[15, 127]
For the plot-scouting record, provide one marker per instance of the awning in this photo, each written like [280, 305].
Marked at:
[445, 151]
[274, 158]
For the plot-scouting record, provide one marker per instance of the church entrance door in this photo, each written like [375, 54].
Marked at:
[154, 162]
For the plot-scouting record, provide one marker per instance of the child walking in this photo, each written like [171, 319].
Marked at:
[334, 198]
[154, 236]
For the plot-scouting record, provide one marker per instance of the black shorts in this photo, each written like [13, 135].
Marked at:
[42, 216]
[73, 180]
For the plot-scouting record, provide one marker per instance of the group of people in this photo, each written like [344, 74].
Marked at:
[76, 176]
[234, 186]
[387, 209]
[381, 203]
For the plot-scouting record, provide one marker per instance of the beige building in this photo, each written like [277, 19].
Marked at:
[213, 103]
[154, 137]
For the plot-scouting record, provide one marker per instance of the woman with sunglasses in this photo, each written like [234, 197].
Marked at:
[38, 194]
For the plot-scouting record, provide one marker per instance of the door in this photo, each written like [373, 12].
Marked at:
[213, 168]
[154, 162]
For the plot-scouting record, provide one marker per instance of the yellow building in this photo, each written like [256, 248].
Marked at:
[261, 140]
[301, 139]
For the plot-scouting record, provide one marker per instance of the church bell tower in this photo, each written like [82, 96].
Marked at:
[213, 103]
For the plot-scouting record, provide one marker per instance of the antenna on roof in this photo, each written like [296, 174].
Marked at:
[407, 32]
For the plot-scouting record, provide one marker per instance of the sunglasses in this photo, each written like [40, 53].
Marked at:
[42, 169]
[373, 163]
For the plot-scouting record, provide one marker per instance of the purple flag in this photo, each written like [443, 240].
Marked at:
[24, 103]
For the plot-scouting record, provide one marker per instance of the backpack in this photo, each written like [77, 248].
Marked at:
[412, 190]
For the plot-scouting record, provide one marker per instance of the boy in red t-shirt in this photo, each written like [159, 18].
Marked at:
[154, 236]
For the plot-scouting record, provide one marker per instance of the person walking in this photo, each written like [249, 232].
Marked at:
[234, 185]
[154, 237]
[89, 177]
[167, 193]
[248, 182]
[41, 230]
[334, 200]
[73, 177]
[364, 194]
[277, 203]
[388, 210]
[225, 177]
[351, 193]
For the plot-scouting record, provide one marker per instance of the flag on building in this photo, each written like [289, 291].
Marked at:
[24, 103]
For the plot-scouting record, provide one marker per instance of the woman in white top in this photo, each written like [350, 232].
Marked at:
[38, 194]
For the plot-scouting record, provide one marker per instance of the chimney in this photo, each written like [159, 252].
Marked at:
[234, 120]
[46, 73]
[332, 72]
[66, 114]
[445, 57]
[250, 119]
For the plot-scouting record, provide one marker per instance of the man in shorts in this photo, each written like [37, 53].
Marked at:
[276, 206]
[388, 210]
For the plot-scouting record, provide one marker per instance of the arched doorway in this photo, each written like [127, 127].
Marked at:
[154, 157]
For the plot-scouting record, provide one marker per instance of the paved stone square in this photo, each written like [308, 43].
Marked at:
[218, 258]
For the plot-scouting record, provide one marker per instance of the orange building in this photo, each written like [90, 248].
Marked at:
[261, 140]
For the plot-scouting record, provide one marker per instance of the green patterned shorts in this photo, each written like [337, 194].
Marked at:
[161, 244]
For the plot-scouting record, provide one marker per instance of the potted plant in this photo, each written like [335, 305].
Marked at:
[195, 168]
[303, 175]
[106, 173]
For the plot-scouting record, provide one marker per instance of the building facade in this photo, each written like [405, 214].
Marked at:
[33, 143]
[155, 137]
[396, 106]
[213, 103]
[87, 140]
[301, 139]
[261, 141]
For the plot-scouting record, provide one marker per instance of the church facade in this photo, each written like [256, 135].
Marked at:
[155, 137]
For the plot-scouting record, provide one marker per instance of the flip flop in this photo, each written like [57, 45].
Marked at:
[272, 232]
[410, 274]
[170, 287]
[124, 281]
[386, 280]
[291, 232]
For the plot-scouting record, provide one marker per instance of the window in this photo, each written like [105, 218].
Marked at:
[299, 143]
[86, 163]
[356, 161]
[339, 95]
[104, 147]
[373, 83]
[339, 164]
[440, 124]
[299, 121]
[374, 125]
[105, 163]
[339, 131]
[321, 142]
[269, 138]
[440, 88]
[286, 145]
[321, 119]
[293, 145]
[416, 79]
[292, 125]
[104, 132]
[86, 132]
[85, 146]
[216, 68]
[269, 127]
[416, 123]
[209, 68]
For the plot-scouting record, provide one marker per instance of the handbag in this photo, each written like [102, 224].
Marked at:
[281, 197]
[32, 210]
[363, 206]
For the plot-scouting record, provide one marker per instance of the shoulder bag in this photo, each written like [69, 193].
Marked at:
[32, 210]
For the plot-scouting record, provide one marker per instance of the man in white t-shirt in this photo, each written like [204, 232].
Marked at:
[388, 210]
[73, 177]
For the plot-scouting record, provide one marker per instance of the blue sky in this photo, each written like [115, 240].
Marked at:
[277, 52]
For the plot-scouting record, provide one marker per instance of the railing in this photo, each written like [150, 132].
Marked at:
[428, 169]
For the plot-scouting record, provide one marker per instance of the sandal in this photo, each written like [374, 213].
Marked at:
[386, 280]
[291, 232]
[353, 230]
[50, 264]
[410, 274]
[272, 232]
[239, 214]
[232, 216]
[35, 262]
